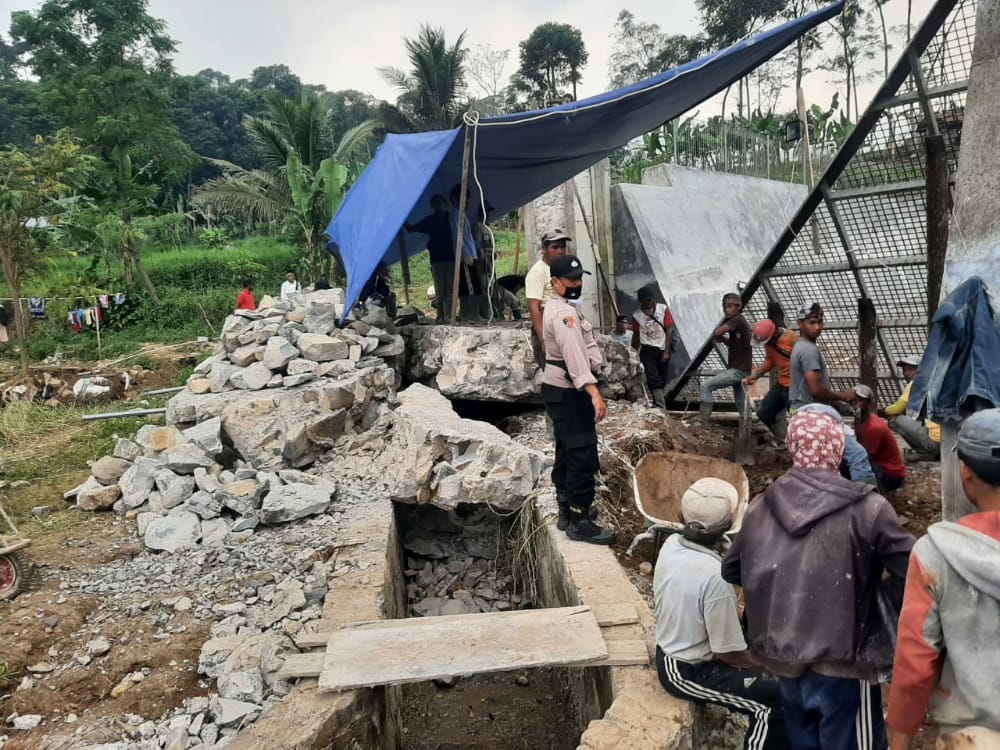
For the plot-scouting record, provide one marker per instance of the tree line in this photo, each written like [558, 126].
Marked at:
[145, 152]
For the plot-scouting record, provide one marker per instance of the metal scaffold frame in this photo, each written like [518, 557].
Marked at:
[864, 235]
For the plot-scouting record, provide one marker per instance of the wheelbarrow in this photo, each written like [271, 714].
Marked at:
[13, 571]
[659, 481]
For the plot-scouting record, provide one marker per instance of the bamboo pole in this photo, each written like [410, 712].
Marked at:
[517, 238]
[595, 248]
[404, 265]
[460, 225]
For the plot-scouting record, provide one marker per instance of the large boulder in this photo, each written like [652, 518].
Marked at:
[278, 353]
[173, 532]
[272, 429]
[206, 435]
[434, 456]
[497, 363]
[174, 489]
[251, 378]
[109, 470]
[289, 502]
[318, 347]
[185, 458]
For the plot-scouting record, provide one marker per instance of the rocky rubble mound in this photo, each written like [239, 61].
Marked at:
[286, 343]
[454, 564]
[497, 363]
[172, 484]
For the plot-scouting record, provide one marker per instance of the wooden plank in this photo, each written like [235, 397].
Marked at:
[609, 615]
[394, 652]
[301, 665]
[624, 654]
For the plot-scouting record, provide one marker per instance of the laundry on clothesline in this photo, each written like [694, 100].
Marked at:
[89, 317]
[36, 306]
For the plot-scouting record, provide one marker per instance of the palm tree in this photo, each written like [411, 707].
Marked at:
[303, 174]
[431, 93]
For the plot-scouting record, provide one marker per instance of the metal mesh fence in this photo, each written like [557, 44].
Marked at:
[879, 200]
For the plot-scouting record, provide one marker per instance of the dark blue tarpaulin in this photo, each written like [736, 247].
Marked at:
[519, 157]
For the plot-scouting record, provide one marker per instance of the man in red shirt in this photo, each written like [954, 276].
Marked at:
[244, 300]
[876, 438]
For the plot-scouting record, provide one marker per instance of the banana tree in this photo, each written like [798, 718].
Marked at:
[315, 199]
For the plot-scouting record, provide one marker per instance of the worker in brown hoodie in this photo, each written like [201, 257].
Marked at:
[810, 556]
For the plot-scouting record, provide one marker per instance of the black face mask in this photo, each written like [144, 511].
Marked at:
[573, 292]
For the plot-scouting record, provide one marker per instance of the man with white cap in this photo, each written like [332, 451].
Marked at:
[924, 437]
[947, 658]
[538, 286]
[701, 654]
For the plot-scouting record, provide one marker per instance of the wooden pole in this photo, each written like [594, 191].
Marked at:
[596, 249]
[868, 343]
[404, 265]
[938, 213]
[517, 238]
[460, 225]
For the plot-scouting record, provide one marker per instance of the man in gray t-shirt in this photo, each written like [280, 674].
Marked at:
[701, 654]
[810, 376]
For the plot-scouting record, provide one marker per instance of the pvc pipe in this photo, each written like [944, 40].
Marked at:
[121, 414]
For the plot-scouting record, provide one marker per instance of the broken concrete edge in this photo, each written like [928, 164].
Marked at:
[615, 704]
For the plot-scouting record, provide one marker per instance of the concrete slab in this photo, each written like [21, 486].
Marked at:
[697, 234]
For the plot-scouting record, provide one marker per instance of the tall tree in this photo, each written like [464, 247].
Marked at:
[275, 78]
[856, 42]
[105, 68]
[431, 91]
[552, 56]
[33, 182]
[640, 50]
[728, 21]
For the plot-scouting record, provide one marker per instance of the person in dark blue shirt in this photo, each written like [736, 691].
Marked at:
[441, 247]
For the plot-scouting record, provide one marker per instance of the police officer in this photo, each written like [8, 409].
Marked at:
[572, 400]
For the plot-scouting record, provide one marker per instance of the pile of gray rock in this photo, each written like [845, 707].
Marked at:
[285, 343]
[457, 562]
[171, 482]
[496, 363]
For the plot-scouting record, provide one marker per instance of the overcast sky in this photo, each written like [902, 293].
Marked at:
[340, 44]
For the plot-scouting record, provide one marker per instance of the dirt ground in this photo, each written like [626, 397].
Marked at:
[490, 712]
[46, 626]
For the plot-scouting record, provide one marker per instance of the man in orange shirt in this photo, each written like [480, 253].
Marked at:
[244, 300]
[777, 343]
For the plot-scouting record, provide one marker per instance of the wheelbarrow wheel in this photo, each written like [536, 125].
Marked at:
[12, 576]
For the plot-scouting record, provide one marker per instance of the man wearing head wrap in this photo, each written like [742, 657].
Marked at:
[701, 654]
[810, 555]
[947, 658]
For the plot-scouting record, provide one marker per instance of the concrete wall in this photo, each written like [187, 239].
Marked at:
[560, 208]
[974, 242]
[697, 234]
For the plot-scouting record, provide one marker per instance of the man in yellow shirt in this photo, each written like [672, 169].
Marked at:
[924, 437]
[538, 286]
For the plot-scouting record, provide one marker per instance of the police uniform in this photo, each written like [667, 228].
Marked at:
[572, 358]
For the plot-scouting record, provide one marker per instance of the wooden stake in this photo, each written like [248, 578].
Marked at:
[404, 265]
[867, 343]
[938, 214]
[517, 238]
[460, 224]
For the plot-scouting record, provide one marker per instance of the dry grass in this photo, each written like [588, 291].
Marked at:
[50, 447]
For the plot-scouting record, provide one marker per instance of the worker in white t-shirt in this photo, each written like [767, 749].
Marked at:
[290, 285]
[652, 336]
[538, 286]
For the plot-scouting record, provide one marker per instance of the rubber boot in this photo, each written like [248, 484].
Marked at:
[582, 529]
[705, 413]
[564, 516]
[659, 399]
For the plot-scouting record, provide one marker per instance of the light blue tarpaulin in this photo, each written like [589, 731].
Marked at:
[519, 157]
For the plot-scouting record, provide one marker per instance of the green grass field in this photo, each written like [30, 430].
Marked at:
[197, 287]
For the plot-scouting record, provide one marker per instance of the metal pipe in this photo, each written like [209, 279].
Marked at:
[122, 414]
[163, 391]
